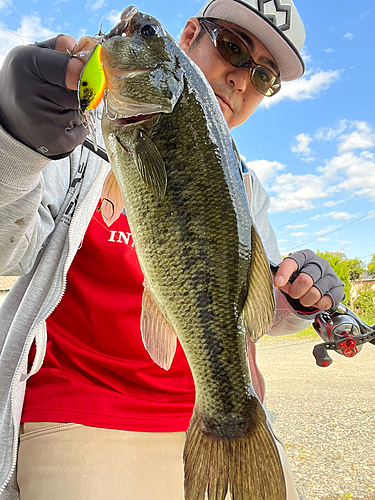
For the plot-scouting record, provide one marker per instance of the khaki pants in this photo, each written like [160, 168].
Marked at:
[76, 462]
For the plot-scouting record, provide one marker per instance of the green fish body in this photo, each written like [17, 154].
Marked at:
[207, 280]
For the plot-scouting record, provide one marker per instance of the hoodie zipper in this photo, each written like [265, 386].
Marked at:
[32, 335]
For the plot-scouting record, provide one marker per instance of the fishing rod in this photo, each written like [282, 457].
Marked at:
[341, 330]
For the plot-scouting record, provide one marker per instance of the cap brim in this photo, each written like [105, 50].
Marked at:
[287, 57]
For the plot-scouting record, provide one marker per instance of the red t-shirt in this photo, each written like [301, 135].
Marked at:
[96, 370]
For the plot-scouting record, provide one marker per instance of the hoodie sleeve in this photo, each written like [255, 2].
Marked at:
[32, 188]
[287, 320]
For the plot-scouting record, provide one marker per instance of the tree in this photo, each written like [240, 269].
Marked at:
[348, 270]
[371, 266]
[364, 304]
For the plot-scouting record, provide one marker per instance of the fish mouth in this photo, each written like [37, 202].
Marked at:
[132, 120]
[128, 111]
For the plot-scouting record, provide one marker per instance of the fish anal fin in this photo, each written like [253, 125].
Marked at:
[248, 466]
[259, 307]
[111, 200]
[150, 165]
[158, 336]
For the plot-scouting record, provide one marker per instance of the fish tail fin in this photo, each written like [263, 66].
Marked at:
[249, 466]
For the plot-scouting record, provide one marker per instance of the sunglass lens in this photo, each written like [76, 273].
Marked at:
[265, 81]
[232, 49]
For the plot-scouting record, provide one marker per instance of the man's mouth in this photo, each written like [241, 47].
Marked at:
[223, 103]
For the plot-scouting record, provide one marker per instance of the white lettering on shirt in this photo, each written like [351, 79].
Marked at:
[121, 238]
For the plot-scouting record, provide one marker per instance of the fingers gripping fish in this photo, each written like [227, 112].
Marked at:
[207, 276]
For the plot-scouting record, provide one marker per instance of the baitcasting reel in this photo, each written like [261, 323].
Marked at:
[342, 331]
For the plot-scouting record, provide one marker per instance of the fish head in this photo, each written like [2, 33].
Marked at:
[141, 65]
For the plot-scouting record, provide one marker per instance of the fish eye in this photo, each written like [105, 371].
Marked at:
[148, 30]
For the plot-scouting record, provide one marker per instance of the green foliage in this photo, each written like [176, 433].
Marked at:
[371, 266]
[348, 270]
[364, 305]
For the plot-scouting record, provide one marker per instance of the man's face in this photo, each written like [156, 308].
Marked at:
[232, 86]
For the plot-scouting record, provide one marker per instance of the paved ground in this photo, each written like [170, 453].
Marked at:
[326, 417]
[3, 294]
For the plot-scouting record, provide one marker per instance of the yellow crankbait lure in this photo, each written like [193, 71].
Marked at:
[92, 82]
[91, 86]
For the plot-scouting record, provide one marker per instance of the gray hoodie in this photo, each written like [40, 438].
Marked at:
[45, 208]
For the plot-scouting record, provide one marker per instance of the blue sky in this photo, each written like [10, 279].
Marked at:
[312, 145]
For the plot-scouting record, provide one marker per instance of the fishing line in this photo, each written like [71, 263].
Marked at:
[326, 209]
[350, 224]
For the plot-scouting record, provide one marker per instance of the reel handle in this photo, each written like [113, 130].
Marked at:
[321, 356]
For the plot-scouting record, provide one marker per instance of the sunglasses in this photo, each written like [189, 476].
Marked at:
[235, 51]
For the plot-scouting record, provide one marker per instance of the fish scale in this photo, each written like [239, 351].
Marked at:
[206, 272]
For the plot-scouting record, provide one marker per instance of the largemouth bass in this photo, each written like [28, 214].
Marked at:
[207, 279]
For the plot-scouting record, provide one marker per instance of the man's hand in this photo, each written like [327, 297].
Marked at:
[316, 284]
[38, 98]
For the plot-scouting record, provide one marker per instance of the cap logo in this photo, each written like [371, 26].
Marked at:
[278, 14]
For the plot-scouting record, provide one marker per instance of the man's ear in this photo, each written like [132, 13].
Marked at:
[189, 33]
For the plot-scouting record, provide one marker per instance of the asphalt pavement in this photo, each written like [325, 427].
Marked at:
[325, 416]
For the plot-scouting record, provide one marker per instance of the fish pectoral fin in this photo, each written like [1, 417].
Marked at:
[259, 308]
[158, 336]
[111, 204]
[150, 164]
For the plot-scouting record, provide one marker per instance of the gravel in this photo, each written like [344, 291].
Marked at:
[325, 416]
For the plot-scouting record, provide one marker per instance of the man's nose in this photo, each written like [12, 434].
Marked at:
[239, 78]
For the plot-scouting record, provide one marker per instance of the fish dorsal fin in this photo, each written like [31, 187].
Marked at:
[259, 308]
[158, 336]
[111, 200]
[150, 164]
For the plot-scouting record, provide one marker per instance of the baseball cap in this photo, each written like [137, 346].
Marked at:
[276, 23]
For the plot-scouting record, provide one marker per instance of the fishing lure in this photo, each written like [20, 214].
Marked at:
[91, 85]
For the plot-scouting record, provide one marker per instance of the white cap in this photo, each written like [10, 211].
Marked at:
[276, 23]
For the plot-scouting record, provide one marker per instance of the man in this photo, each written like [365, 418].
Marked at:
[100, 420]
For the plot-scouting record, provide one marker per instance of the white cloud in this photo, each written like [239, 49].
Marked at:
[305, 55]
[356, 171]
[335, 215]
[5, 3]
[98, 4]
[296, 226]
[325, 231]
[344, 242]
[296, 192]
[348, 36]
[307, 87]
[113, 17]
[330, 133]
[299, 234]
[302, 145]
[362, 138]
[31, 29]
[323, 239]
[264, 169]
[329, 50]
[347, 171]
